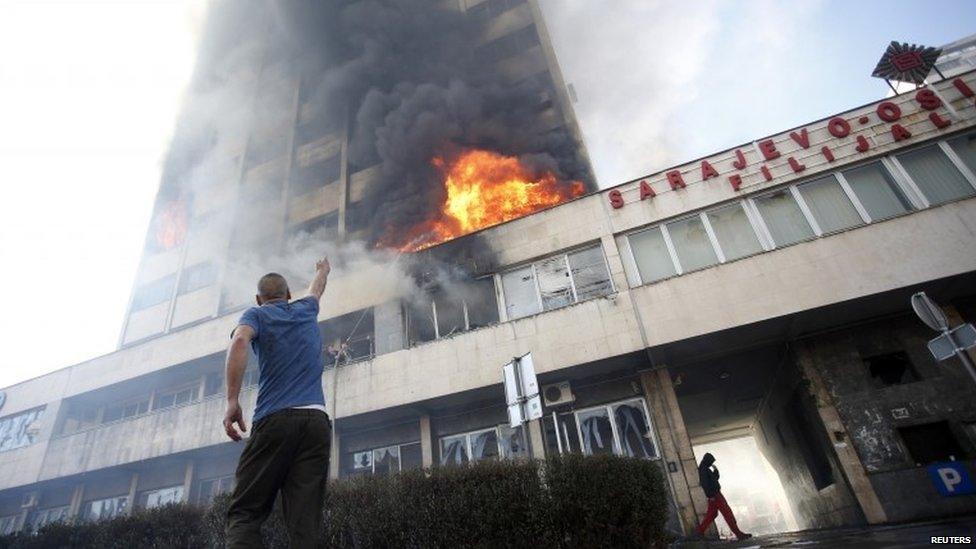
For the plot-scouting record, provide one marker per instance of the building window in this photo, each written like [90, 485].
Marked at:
[440, 313]
[18, 430]
[125, 410]
[877, 191]
[323, 227]
[105, 508]
[691, 244]
[965, 147]
[784, 218]
[931, 443]
[492, 8]
[620, 428]
[508, 45]
[176, 397]
[734, 232]
[348, 338]
[485, 444]
[651, 255]
[162, 496]
[935, 175]
[831, 207]
[891, 369]
[8, 524]
[556, 282]
[153, 293]
[213, 487]
[385, 461]
[197, 277]
[43, 517]
[316, 176]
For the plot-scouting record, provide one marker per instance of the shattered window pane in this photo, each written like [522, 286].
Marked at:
[454, 450]
[633, 430]
[590, 273]
[554, 283]
[481, 302]
[596, 431]
[512, 441]
[15, 431]
[420, 318]
[450, 316]
[484, 445]
[521, 298]
[363, 461]
[410, 456]
[386, 460]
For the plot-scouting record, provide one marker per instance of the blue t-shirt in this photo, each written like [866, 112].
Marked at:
[288, 345]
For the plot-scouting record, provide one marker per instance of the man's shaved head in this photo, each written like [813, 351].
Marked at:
[273, 286]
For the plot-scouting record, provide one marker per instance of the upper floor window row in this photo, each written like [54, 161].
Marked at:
[911, 180]
[555, 282]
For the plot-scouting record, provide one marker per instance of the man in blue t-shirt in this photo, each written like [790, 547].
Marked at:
[288, 450]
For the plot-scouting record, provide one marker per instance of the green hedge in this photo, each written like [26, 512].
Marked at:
[566, 502]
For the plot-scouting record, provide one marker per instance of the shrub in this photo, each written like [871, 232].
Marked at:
[565, 502]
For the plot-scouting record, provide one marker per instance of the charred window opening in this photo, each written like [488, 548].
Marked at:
[490, 9]
[197, 277]
[323, 227]
[318, 175]
[382, 461]
[266, 146]
[444, 312]
[153, 293]
[348, 338]
[508, 45]
[891, 369]
[556, 282]
[501, 442]
[931, 443]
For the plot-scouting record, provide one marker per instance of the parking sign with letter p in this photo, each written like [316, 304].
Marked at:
[951, 479]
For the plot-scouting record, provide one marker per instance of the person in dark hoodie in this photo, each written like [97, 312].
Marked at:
[708, 477]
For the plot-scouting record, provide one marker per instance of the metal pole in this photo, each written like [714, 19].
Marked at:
[963, 355]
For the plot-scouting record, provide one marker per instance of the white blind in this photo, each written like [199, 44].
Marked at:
[877, 191]
[830, 205]
[783, 218]
[935, 175]
[734, 232]
[651, 255]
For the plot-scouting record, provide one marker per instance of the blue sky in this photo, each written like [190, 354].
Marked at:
[91, 90]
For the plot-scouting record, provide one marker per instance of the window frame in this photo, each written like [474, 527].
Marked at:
[500, 287]
[617, 447]
[468, 435]
[917, 196]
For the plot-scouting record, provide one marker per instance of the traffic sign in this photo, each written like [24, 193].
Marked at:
[951, 479]
[959, 338]
[521, 391]
[930, 312]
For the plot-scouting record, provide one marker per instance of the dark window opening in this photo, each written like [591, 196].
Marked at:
[467, 306]
[316, 176]
[811, 446]
[420, 320]
[490, 9]
[891, 369]
[261, 149]
[323, 227]
[481, 303]
[348, 338]
[931, 443]
[508, 45]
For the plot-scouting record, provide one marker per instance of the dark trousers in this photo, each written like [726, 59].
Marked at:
[287, 451]
[716, 504]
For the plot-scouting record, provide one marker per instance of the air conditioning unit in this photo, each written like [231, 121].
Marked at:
[30, 500]
[557, 393]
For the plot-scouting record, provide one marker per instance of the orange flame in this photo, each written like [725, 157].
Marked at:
[484, 188]
[171, 225]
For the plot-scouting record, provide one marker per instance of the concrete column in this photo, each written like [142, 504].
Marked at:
[675, 446]
[75, 506]
[536, 443]
[426, 442]
[133, 485]
[849, 461]
[188, 480]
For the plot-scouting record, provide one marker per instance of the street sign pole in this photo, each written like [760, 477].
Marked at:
[962, 353]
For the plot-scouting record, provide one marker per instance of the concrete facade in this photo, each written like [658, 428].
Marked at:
[828, 370]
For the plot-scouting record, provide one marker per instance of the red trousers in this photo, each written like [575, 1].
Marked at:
[715, 505]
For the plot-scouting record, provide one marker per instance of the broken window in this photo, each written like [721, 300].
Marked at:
[596, 431]
[8, 524]
[386, 460]
[43, 517]
[211, 488]
[891, 369]
[348, 338]
[105, 508]
[421, 324]
[153, 293]
[481, 304]
[450, 316]
[16, 431]
[484, 444]
[931, 443]
[467, 306]
[633, 430]
[162, 496]
[561, 436]
[556, 282]
[323, 227]
[307, 179]
[621, 428]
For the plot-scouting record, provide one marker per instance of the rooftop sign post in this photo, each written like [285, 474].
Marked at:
[952, 341]
[907, 63]
[521, 391]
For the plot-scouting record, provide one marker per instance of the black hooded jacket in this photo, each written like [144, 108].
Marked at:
[708, 476]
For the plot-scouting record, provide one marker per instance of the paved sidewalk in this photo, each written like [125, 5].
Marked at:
[898, 536]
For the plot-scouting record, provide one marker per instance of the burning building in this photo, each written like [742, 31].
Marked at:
[762, 291]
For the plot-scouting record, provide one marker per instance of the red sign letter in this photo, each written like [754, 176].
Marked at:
[797, 167]
[827, 153]
[736, 181]
[928, 100]
[768, 149]
[838, 127]
[646, 190]
[707, 170]
[802, 139]
[740, 160]
[674, 178]
[888, 111]
[862, 144]
[963, 88]
[766, 173]
[937, 119]
[616, 200]
[899, 132]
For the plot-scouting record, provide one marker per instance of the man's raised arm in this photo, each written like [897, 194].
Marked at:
[317, 286]
[236, 364]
